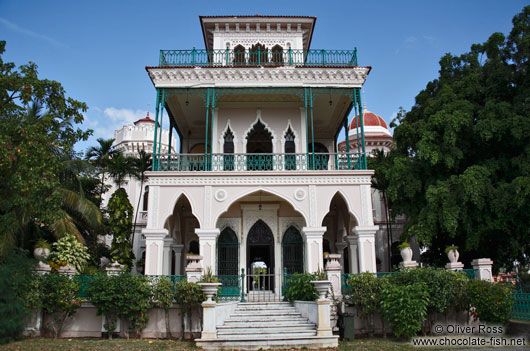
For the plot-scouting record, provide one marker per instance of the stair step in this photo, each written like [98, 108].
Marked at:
[278, 336]
[265, 330]
[266, 313]
[267, 324]
[279, 322]
[310, 342]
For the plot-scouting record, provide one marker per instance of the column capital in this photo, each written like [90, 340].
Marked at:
[352, 239]
[210, 233]
[365, 230]
[341, 245]
[155, 234]
[316, 232]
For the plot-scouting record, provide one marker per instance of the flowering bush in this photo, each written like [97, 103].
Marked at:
[60, 298]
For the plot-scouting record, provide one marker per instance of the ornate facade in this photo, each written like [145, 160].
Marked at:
[259, 180]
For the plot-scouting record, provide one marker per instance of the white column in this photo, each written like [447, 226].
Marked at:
[168, 255]
[178, 257]
[366, 248]
[482, 267]
[324, 317]
[154, 250]
[313, 251]
[207, 241]
[354, 261]
[209, 327]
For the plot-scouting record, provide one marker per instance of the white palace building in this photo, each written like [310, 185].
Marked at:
[258, 179]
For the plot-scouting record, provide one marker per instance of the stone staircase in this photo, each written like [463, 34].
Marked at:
[267, 325]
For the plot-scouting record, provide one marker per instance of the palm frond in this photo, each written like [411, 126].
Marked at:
[84, 208]
[65, 224]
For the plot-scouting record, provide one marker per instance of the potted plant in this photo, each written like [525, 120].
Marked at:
[405, 251]
[452, 253]
[42, 249]
[209, 284]
[321, 283]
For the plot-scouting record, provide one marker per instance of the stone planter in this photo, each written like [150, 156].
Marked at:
[453, 256]
[209, 290]
[322, 287]
[406, 254]
[41, 253]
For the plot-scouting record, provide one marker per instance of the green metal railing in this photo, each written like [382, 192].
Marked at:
[470, 273]
[194, 57]
[231, 288]
[258, 162]
[521, 306]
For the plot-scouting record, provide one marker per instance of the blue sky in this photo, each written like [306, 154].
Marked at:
[98, 50]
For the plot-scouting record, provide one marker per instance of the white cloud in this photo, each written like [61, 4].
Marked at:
[28, 32]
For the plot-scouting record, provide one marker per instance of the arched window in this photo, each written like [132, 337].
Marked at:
[228, 148]
[259, 141]
[146, 198]
[194, 247]
[277, 55]
[258, 54]
[290, 160]
[239, 55]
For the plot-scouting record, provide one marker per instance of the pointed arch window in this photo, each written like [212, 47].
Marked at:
[259, 141]
[290, 160]
[146, 198]
[228, 148]
[239, 55]
[277, 55]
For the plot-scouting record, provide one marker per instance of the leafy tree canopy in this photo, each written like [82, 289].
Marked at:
[461, 167]
[30, 144]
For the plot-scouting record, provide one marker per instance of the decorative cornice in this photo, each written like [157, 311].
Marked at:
[177, 178]
[339, 77]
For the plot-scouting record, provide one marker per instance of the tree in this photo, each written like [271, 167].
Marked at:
[29, 146]
[100, 157]
[120, 226]
[461, 167]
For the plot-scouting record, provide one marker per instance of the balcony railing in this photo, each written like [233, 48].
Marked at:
[258, 162]
[219, 58]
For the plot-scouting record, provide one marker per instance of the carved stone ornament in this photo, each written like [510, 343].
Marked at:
[299, 194]
[220, 195]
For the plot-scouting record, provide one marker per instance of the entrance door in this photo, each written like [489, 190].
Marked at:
[260, 257]
[228, 262]
[259, 141]
[293, 251]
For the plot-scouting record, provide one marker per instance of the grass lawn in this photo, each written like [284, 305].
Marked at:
[42, 344]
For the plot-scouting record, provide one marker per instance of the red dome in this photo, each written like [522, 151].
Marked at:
[369, 119]
[145, 119]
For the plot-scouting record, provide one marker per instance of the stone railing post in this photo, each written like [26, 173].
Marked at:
[114, 268]
[482, 267]
[193, 268]
[333, 270]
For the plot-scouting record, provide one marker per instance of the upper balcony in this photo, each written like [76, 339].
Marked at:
[257, 58]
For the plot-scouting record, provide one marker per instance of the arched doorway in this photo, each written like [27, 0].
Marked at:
[260, 257]
[227, 253]
[293, 251]
[259, 141]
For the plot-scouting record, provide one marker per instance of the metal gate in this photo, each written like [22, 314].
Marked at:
[228, 263]
[293, 251]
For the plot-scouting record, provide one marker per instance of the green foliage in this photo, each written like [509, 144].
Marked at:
[460, 171]
[69, 251]
[123, 296]
[120, 226]
[163, 293]
[405, 307]
[42, 244]
[15, 281]
[209, 277]
[403, 245]
[492, 301]
[60, 298]
[30, 143]
[450, 248]
[366, 293]
[320, 274]
[299, 287]
[188, 295]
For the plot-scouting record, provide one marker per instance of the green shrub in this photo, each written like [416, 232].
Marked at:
[365, 295]
[189, 296]
[123, 296]
[492, 301]
[69, 251]
[405, 307]
[15, 280]
[164, 295]
[299, 287]
[60, 299]
[120, 225]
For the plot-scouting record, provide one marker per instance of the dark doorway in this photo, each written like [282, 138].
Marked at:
[293, 251]
[228, 150]
[258, 54]
[259, 141]
[228, 253]
[260, 256]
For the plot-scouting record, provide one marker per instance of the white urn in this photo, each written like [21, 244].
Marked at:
[453, 255]
[406, 254]
[209, 290]
[41, 253]
[322, 287]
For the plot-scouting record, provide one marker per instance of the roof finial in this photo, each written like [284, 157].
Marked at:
[364, 107]
[147, 114]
